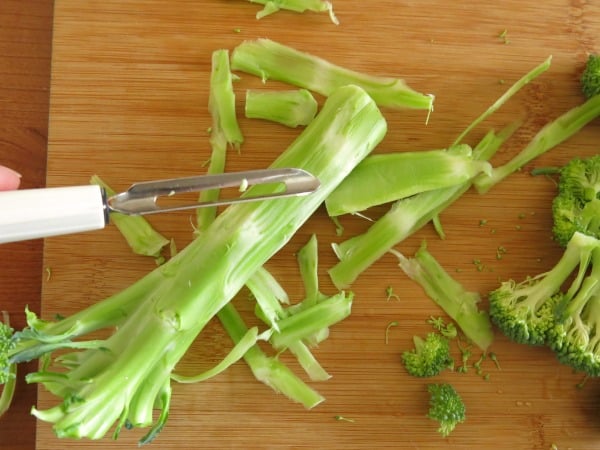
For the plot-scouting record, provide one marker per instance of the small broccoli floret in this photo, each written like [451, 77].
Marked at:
[577, 205]
[445, 406]
[576, 335]
[590, 78]
[429, 357]
[525, 311]
[6, 345]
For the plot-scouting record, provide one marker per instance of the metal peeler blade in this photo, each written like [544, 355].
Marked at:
[143, 198]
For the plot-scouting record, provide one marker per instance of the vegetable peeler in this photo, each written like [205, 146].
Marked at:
[37, 213]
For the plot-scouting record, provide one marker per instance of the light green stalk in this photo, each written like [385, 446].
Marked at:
[137, 231]
[388, 177]
[270, 60]
[291, 108]
[551, 135]
[404, 218]
[225, 130]
[272, 6]
[461, 305]
[131, 371]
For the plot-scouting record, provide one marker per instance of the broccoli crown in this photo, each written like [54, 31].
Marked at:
[575, 337]
[445, 406]
[429, 357]
[6, 345]
[522, 315]
[590, 78]
[577, 205]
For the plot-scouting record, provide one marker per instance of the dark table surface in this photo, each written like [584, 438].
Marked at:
[25, 54]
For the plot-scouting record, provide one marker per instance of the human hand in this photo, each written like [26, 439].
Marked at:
[9, 179]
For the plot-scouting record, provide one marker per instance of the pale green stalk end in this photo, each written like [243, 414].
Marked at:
[300, 6]
[140, 235]
[292, 108]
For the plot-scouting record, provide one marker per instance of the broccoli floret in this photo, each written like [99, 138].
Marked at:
[445, 406]
[429, 357]
[525, 311]
[576, 335]
[577, 205]
[590, 78]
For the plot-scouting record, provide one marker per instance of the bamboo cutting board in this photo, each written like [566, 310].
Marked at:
[129, 100]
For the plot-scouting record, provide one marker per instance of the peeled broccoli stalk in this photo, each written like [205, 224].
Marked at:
[137, 231]
[525, 311]
[590, 78]
[225, 130]
[461, 305]
[429, 357]
[405, 217]
[272, 6]
[446, 407]
[270, 60]
[158, 318]
[551, 135]
[577, 205]
[388, 177]
[291, 108]
[575, 336]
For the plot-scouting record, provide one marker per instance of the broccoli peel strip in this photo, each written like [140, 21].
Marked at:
[132, 369]
[461, 305]
[388, 177]
[292, 108]
[300, 6]
[268, 59]
[403, 218]
[552, 134]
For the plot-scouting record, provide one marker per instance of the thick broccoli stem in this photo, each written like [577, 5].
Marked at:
[404, 218]
[203, 277]
[270, 60]
[551, 135]
[291, 108]
[139, 234]
[461, 305]
[388, 177]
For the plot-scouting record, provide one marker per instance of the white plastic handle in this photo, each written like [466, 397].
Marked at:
[36, 213]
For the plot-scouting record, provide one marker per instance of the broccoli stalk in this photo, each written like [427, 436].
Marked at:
[137, 231]
[577, 205]
[405, 217]
[225, 130]
[446, 407]
[291, 108]
[157, 318]
[388, 177]
[590, 77]
[300, 6]
[410, 214]
[268, 59]
[552, 134]
[525, 311]
[462, 306]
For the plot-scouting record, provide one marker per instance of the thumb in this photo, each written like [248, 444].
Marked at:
[9, 179]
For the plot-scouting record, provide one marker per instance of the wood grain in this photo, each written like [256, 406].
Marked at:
[129, 102]
[25, 51]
